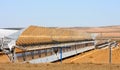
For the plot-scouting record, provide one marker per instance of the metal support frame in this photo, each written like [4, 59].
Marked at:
[61, 51]
[45, 52]
[61, 54]
[110, 50]
[13, 55]
[76, 48]
[110, 53]
[39, 52]
[32, 53]
[51, 51]
[24, 56]
[2, 42]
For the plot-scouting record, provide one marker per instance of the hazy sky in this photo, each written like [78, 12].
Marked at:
[22, 13]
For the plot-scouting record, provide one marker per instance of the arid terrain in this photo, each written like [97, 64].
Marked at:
[56, 66]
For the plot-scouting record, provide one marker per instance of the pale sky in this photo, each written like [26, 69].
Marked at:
[60, 13]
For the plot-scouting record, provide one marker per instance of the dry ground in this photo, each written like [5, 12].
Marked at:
[4, 59]
[56, 66]
[96, 56]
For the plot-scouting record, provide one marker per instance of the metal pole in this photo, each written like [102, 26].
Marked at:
[13, 53]
[110, 54]
[61, 54]
[39, 52]
[32, 53]
[24, 56]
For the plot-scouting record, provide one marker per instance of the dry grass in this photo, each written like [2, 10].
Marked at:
[96, 56]
[70, 66]
[112, 32]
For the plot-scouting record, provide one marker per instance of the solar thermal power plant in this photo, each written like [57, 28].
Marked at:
[36, 44]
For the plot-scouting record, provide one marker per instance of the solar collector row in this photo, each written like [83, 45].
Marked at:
[39, 35]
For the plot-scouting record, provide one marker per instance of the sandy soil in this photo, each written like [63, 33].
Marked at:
[4, 59]
[70, 66]
[96, 56]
